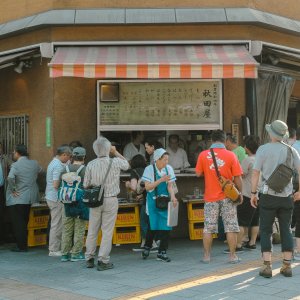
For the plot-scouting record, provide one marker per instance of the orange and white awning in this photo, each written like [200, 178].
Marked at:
[154, 62]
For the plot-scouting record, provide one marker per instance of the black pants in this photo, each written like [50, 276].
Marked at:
[162, 235]
[19, 216]
[269, 208]
[297, 218]
[2, 214]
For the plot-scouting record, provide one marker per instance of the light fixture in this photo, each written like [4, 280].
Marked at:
[19, 67]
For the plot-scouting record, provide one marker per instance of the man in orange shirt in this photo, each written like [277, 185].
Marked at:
[215, 200]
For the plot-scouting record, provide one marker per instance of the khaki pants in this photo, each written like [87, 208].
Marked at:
[56, 212]
[76, 227]
[104, 218]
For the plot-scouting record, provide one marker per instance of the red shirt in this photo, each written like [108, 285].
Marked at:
[228, 166]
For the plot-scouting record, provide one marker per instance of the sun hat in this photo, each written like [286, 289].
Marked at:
[158, 153]
[278, 130]
[79, 151]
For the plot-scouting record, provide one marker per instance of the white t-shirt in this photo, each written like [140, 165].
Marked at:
[130, 151]
[178, 159]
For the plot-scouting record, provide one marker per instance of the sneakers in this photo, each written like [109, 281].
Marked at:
[90, 263]
[104, 266]
[54, 253]
[286, 270]
[237, 250]
[297, 256]
[145, 253]
[154, 250]
[65, 257]
[163, 257]
[266, 270]
[250, 247]
[77, 257]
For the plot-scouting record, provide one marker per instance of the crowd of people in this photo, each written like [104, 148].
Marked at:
[152, 183]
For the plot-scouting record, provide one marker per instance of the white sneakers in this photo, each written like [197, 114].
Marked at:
[55, 253]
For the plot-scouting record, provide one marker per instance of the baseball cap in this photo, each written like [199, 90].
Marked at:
[79, 151]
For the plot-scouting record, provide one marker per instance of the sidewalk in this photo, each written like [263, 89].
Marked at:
[34, 275]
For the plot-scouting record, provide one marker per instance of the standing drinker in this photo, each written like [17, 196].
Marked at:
[76, 213]
[22, 191]
[158, 179]
[272, 202]
[103, 217]
[215, 199]
[54, 170]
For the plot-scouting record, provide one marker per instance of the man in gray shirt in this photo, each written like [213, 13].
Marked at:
[274, 204]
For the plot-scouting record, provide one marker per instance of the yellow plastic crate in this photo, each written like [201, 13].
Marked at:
[98, 239]
[127, 235]
[195, 211]
[37, 237]
[38, 217]
[128, 215]
[196, 231]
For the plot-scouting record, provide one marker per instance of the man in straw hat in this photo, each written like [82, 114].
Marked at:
[271, 203]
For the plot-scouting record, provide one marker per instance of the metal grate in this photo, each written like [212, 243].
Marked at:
[13, 131]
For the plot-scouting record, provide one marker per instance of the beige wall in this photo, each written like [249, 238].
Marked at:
[29, 93]
[144, 33]
[11, 10]
[75, 116]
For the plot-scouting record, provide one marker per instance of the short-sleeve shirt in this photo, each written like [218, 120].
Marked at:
[240, 153]
[149, 173]
[267, 158]
[54, 170]
[228, 166]
[178, 159]
[247, 166]
[131, 150]
[96, 170]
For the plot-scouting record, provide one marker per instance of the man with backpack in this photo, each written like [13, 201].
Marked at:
[76, 213]
[273, 160]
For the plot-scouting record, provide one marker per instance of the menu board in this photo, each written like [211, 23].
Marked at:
[166, 103]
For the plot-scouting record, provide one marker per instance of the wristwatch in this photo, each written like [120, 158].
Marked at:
[253, 193]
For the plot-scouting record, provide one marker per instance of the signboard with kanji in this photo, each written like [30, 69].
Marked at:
[167, 105]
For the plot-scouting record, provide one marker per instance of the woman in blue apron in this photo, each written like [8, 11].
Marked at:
[158, 179]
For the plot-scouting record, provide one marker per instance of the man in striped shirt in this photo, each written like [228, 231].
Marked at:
[104, 216]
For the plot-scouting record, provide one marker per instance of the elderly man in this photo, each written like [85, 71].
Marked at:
[54, 170]
[271, 203]
[104, 216]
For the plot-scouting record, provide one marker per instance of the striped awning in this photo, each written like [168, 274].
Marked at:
[154, 62]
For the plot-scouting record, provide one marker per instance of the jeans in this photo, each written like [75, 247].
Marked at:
[269, 208]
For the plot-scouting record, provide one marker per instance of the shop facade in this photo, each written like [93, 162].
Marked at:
[111, 70]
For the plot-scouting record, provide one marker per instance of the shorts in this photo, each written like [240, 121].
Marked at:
[227, 209]
[248, 216]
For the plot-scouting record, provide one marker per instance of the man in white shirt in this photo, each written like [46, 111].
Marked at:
[177, 156]
[54, 170]
[135, 147]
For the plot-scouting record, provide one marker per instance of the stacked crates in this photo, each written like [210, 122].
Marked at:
[196, 218]
[37, 226]
[127, 229]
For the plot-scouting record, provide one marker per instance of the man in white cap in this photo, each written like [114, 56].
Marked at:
[271, 203]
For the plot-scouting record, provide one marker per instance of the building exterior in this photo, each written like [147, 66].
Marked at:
[59, 95]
